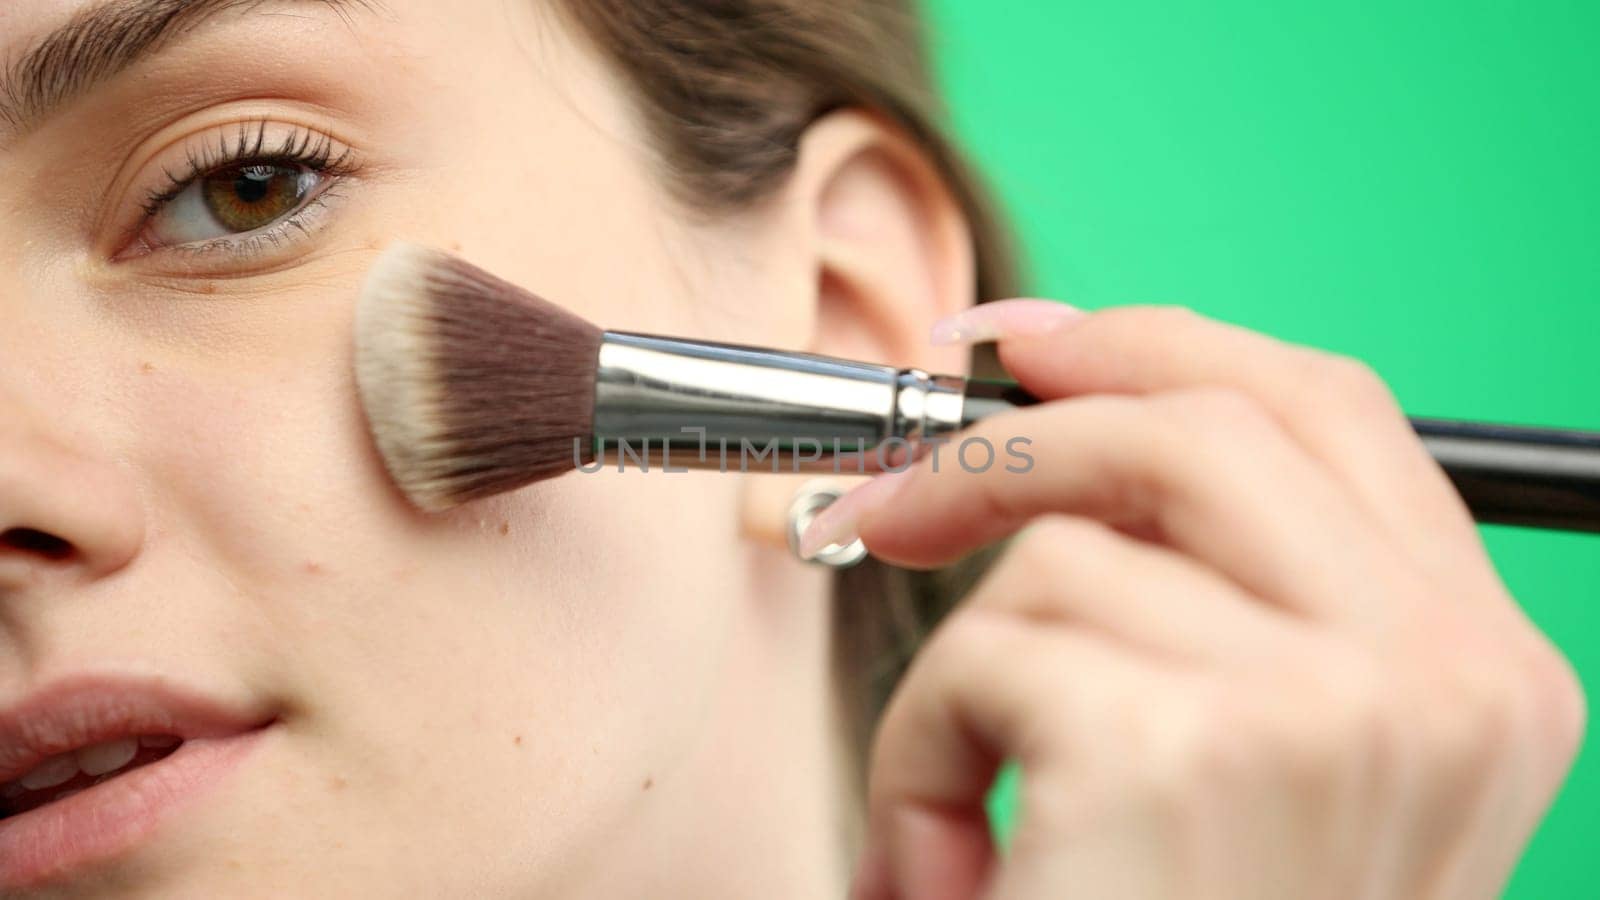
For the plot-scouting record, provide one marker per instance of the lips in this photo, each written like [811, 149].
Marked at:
[70, 717]
[90, 767]
[65, 774]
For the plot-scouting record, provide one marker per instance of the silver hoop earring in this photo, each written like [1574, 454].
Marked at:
[813, 499]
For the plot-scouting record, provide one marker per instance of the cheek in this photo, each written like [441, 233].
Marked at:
[263, 455]
[510, 639]
[260, 467]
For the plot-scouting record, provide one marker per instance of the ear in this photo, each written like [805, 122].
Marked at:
[890, 253]
[892, 247]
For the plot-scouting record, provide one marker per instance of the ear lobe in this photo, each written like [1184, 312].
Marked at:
[893, 248]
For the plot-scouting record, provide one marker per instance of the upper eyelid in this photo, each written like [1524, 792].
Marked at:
[144, 161]
[300, 144]
[216, 143]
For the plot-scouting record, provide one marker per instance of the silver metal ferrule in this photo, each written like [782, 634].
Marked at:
[696, 404]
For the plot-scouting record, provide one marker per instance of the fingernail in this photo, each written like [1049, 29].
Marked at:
[837, 524]
[939, 854]
[1004, 319]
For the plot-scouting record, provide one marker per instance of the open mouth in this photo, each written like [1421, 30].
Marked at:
[92, 766]
[65, 774]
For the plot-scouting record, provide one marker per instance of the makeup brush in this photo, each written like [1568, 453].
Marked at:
[474, 387]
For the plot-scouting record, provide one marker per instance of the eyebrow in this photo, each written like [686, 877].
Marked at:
[102, 41]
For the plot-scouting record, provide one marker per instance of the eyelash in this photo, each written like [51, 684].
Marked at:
[300, 147]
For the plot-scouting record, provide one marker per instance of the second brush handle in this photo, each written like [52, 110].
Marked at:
[1536, 477]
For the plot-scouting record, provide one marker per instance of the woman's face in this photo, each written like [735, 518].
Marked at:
[520, 696]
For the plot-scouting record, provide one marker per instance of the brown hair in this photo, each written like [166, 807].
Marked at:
[726, 88]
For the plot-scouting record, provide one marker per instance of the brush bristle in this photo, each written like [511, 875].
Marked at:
[472, 386]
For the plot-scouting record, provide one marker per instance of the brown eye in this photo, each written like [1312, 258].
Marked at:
[233, 200]
[246, 197]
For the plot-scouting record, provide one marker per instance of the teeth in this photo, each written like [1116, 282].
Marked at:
[99, 761]
[53, 771]
[107, 757]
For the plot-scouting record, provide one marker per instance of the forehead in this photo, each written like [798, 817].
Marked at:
[54, 51]
[24, 22]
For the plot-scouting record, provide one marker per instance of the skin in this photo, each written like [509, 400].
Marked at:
[609, 681]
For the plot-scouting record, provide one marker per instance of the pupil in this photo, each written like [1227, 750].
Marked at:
[254, 183]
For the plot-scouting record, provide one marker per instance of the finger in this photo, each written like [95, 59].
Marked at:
[1206, 471]
[988, 688]
[1334, 406]
[1081, 572]
[951, 853]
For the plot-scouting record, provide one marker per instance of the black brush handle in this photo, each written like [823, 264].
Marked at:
[1537, 477]
[1511, 475]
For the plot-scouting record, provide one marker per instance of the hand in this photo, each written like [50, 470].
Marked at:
[1247, 643]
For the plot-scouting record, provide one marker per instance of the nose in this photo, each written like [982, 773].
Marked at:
[64, 513]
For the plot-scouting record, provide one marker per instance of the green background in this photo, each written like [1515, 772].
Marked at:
[1415, 184]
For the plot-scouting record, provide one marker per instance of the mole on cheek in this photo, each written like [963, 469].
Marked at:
[313, 567]
[146, 368]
